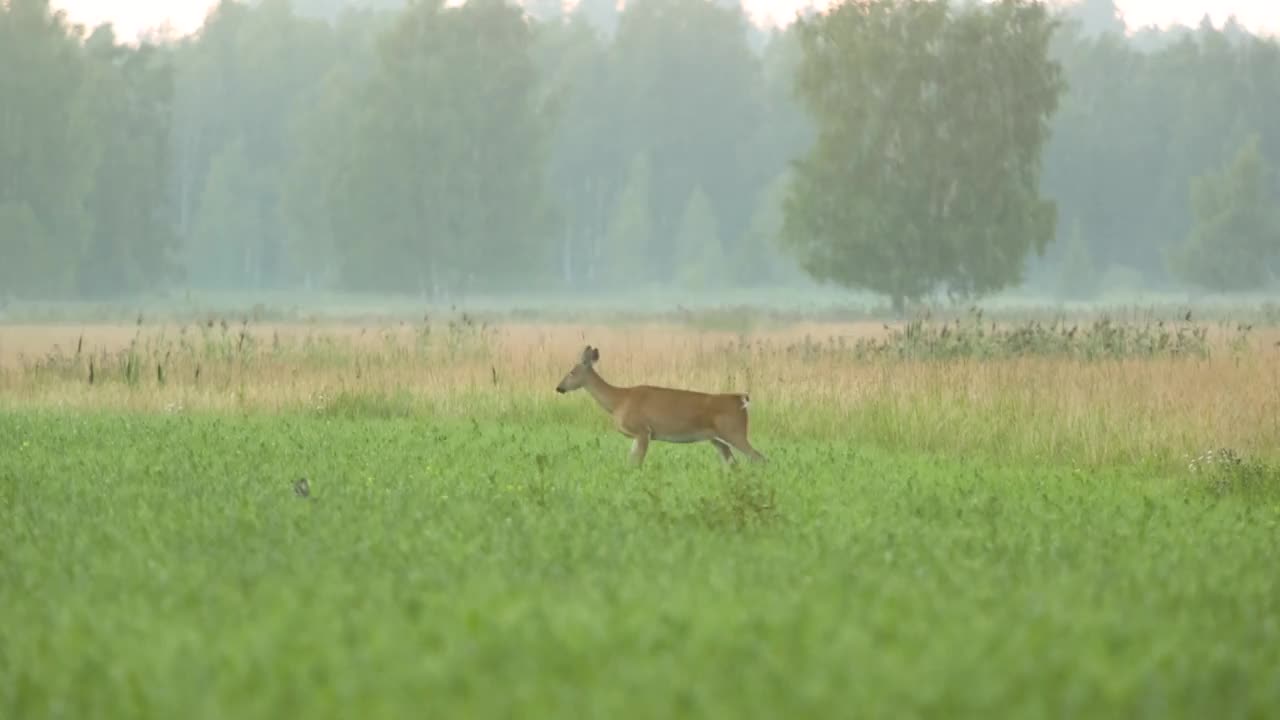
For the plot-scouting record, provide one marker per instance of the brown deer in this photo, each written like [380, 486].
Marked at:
[645, 412]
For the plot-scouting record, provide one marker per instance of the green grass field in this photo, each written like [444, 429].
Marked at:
[161, 566]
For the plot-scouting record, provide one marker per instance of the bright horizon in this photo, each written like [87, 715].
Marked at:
[132, 17]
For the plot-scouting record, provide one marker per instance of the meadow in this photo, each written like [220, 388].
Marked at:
[1021, 516]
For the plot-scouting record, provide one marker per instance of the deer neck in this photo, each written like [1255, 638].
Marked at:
[606, 395]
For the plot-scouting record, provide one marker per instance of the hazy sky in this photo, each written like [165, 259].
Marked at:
[130, 16]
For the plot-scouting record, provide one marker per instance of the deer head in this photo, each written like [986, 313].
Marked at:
[579, 373]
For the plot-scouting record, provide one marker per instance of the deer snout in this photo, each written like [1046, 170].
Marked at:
[560, 389]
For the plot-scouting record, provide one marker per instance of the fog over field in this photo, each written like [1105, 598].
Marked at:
[322, 153]
[916, 359]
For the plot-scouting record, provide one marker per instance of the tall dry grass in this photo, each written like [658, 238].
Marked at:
[807, 382]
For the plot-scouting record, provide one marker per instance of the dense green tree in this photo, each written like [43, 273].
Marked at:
[501, 128]
[84, 154]
[1105, 148]
[31, 266]
[587, 164]
[630, 232]
[445, 186]
[48, 150]
[1140, 120]
[314, 199]
[319, 180]
[403, 146]
[786, 131]
[1236, 235]
[131, 243]
[227, 238]
[240, 80]
[1077, 272]
[689, 100]
[702, 263]
[1096, 17]
[931, 120]
[760, 260]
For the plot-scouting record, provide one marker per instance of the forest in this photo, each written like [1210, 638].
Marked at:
[915, 356]
[489, 147]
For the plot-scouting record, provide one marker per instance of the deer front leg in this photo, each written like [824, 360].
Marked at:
[639, 446]
[639, 432]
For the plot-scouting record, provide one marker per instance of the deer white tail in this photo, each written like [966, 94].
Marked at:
[746, 400]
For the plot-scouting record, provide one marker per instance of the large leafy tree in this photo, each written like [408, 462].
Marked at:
[48, 150]
[84, 158]
[443, 188]
[588, 168]
[785, 133]
[1140, 120]
[1236, 235]
[240, 82]
[320, 183]
[689, 86]
[1105, 150]
[930, 120]
[1097, 17]
[131, 243]
[318, 142]
[629, 235]
[702, 260]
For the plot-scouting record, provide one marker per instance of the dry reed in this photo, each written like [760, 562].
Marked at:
[804, 381]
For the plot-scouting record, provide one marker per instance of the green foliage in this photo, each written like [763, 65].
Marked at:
[30, 261]
[631, 230]
[47, 149]
[702, 260]
[1237, 232]
[931, 122]
[1225, 472]
[1077, 273]
[131, 245]
[588, 168]
[447, 177]
[84, 159]
[1096, 16]
[1102, 339]
[761, 259]
[786, 130]
[366, 167]
[229, 231]
[239, 84]
[1142, 118]
[365, 406]
[313, 198]
[687, 98]
[160, 566]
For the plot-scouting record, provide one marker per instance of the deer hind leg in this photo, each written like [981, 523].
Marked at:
[726, 452]
[735, 434]
[744, 446]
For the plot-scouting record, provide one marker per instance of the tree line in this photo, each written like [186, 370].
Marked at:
[900, 146]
